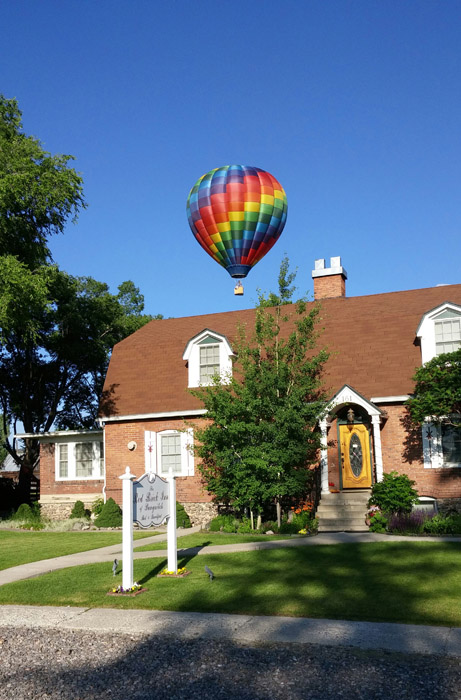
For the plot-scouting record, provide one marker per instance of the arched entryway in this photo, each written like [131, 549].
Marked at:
[358, 440]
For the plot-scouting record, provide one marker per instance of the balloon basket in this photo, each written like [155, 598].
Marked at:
[238, 289]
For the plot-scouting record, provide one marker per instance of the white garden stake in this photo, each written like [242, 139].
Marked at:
[127, 528]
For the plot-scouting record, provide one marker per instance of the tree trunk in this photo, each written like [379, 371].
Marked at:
[252, 519]
[279, 513]
[258, 522]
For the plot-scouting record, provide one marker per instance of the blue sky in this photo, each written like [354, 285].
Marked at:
[354, 106]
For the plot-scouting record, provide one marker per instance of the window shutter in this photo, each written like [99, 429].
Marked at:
[150, 447]
[432, 446]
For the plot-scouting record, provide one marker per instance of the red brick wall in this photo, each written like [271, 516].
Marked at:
[118, 457]
[329, 287]
[50, 487]
[402, 451]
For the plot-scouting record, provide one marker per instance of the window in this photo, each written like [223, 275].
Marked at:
[63, 451]
[440, 331]
[169, 449]
[207, 354]
[451, 446]
[80, 460]
[447, 332]
[441, 445]
[209, 362]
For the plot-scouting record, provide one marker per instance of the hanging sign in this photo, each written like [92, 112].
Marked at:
[151, 504]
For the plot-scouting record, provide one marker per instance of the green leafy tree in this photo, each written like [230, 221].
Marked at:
[260, 441]
[56, 331]
[437, 392]
[39, 192]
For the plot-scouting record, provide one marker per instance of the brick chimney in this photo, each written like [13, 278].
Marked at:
[329, 281]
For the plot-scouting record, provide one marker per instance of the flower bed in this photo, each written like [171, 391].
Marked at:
[135, 589]
[180, 573]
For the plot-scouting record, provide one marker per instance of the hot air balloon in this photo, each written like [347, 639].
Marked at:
[237, 213]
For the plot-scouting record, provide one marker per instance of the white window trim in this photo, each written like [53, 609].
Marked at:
[426, 329]
[71, 460]
[153, 443]
[432, 447]
[192, 356]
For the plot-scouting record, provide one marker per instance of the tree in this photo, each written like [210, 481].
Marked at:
[54, 352]
[39, 192]
[261, 438]
[56, 331]
[437, 393]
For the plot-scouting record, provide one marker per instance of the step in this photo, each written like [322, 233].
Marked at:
[339, 526]
[346, 507]
[344, 497]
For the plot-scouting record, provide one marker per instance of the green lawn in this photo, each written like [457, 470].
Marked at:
[205, 539]
[410, 582]
[20, 547]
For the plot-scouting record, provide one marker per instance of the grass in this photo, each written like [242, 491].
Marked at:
[20, 547]
[206, 539]
[410, 582]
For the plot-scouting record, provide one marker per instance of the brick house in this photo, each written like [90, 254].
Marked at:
[376, 342]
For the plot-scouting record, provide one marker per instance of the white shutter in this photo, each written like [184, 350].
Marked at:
[150, 447]
[432, 446]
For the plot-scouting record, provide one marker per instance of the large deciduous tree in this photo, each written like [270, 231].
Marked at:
[437, 393]
[261, 439]
[56, 331]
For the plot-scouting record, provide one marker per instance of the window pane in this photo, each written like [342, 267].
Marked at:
[209, 362]
[447, 335]
[170, 453]
[451, 445]
[84, 459]
[101, 459]
[63, 461]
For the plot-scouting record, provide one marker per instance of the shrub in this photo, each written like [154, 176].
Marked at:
[244, 527]
[411, 523]
[27, 513]
[110, 516]
[378, 522]
[394, 494]
[79, 510]
[270, 525]
[97, 506]
[182, 519]
[287, 528]
[440, 525]
[227, 523]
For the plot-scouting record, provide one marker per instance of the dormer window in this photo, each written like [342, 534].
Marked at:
[447, 331]
[209, 360]
[440, 331]
[208, 354]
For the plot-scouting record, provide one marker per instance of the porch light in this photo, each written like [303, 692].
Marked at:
[350, 416]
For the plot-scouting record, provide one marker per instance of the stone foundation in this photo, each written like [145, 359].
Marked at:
[60, 507]
[448, 506]
[200, 513]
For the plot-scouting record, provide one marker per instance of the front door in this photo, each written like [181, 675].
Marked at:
[355, 456]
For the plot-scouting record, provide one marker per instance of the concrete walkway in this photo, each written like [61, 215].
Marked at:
[248, 629]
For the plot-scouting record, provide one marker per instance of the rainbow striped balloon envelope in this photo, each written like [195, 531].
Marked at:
[237, 213]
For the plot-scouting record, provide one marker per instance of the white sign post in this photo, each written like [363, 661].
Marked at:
[171, 529]
[127, 528]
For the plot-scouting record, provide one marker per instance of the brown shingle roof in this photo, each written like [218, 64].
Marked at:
[371, 340]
